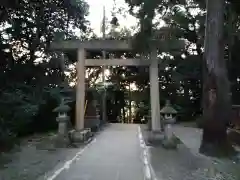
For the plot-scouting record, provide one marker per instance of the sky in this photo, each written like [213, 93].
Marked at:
[96, 14]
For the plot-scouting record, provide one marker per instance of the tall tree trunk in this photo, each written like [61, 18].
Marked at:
[124, 114]
[216, 99]
[130, 105]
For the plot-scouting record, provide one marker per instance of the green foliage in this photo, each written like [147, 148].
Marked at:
[20, 109]
[7, 137]
[28, 92]
[178, 75]
[17, 105]
[45, 119]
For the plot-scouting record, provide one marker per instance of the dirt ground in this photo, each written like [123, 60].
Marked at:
[33, 157]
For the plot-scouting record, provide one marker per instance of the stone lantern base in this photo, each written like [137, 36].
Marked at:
[169, 141]
[62, 140]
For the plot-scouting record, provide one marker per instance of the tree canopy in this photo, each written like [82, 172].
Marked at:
[27, 78]
[30, 74]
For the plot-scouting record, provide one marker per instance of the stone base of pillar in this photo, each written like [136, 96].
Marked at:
[80, 136]
[155, 137]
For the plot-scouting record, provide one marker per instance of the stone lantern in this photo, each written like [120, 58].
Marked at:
[66, 92]
[168, 114]
[62, 120]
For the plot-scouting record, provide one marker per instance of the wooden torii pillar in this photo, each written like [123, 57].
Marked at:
[80, 89]
[110, 45]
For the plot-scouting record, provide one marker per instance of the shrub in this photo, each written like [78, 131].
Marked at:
[23, 112]
[45, 120]
[7, 137]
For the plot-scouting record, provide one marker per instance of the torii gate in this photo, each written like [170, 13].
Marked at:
[110, 45]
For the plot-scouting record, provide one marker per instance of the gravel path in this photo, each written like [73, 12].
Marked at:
[182, 164]
[33, 158]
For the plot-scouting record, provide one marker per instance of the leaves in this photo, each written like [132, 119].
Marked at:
[26, 77]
